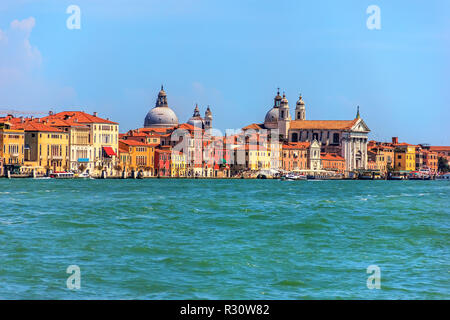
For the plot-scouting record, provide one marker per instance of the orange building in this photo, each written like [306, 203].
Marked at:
[140, 156]
[12, 141]
[430, 160]
[333, 162]
[294, 156]
[442, 151]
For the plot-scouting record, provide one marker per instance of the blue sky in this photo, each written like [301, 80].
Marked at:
[232, 55]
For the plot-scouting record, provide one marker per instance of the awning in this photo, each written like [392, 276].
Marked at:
[109, 151]
[83, 159]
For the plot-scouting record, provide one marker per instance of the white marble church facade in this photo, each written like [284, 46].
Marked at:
[347, 138]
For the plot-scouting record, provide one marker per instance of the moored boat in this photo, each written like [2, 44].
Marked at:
[62, 175]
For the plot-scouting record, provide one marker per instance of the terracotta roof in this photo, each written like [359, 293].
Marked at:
[296, 145]
[81, 117]
[123, 150]
[323, 124]
[331, 156]
[253, 126]
[56, 122]
[440, 148]
[134, 143]
[36, 126]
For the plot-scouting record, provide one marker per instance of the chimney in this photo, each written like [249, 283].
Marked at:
[395, 140]
[32, 118]
[95, 113]
[50, 113]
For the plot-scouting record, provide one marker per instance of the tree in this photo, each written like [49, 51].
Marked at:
[81, 167]
[443, 165]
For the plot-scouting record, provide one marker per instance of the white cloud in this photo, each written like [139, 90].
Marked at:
[22, 80]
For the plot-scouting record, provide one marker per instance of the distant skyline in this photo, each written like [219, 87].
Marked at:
[232, 56]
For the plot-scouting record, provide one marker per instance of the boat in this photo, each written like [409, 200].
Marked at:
[83, 175]
[62, 175]
[293, 177]
[397, 178]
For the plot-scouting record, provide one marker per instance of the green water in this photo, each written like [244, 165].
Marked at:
[224, 239]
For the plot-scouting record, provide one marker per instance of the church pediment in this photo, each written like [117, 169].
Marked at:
[360, 126]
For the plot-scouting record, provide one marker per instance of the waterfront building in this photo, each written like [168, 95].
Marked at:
[81, 149]
[12, 142]
[372, 165]
[430, 160]
[141, 156]
[419, 158]
[162, 162]
[377, 159]
[442, 151]
[46, 147]
[347, 138]
[257, 157]
[333, 162]
[382, 154]
[405, 156]
[295, 156]
[124, 160]
[104, 135]
[178, 164]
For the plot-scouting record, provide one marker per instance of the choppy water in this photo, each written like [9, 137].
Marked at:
[224, 239]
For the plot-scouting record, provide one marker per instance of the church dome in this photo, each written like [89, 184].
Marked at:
[161, 116]
[272, 115]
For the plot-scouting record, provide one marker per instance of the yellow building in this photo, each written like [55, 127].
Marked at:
[12, 142]
[140, 158]
[80, 146]
[404, 157]
[104, 139]
[178, 164]
[256, 157]
[46, 147]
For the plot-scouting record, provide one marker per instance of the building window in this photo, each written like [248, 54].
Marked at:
[335, 138]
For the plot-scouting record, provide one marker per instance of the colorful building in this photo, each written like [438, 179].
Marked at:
[430, 160]
[12, 141]
[162, 162]
[46, 147]
[295, 156]
[178, 164]
[333, 162]
[404, 156]
[80, 145]
[141, 156]
[104, 141]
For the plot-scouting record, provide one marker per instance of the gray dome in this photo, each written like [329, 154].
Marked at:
[272, 115]
[160, 117]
